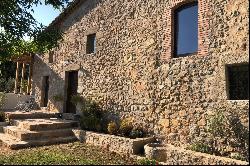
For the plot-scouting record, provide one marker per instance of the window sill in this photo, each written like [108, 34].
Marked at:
[238, 101]
[184, 55]
[91, 54]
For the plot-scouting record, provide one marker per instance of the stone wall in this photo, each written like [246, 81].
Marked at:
[133, 72]
[114, 143]
[171, 155]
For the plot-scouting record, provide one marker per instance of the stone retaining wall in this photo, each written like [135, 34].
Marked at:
[171, 155]
[114, 143]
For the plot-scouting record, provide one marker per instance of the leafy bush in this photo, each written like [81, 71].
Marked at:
[91, 117]
[126, 127]
[226, 135]
[112, 128]
[24, 85]
[58, 98]
[7, 85]
[75, 99]
[200, 147]
[2, 99]
[137, 132]
[2, 116]
[147, 162]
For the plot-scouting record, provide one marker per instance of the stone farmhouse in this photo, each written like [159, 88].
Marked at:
[165, 63]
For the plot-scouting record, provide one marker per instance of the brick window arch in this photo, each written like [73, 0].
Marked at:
[204, 29]
[185, 29]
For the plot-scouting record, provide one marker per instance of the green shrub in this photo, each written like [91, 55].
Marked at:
[58, 98]
[225, 135]
[92, 116]
[112, 128]
[10, 85]
[2, 99]
[75, 99]
[7, 85]
[201, 147]
[2, 116]
[126, 127]
[137, 132]
[147, 162]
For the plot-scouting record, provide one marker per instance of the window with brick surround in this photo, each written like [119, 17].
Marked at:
[186, 30]
[238, 82]
[91, 44]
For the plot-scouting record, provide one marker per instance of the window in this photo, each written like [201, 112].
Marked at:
[186, 30]
[51, 53]
[238, 82]
[91, 44]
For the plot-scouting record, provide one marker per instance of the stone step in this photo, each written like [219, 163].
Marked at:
[15, 143]
[25, 135]
[44, 124]
[30, 115]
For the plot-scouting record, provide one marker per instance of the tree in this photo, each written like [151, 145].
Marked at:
[16, 21]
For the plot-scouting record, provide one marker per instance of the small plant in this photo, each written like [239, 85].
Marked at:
[2, 116]
[237, 156]
[75, 99]
[24, 85]
[112, 128]
[126, 127]
[147, 162]
[2, 99]
[137, 133]
[92, 116]
[200, 147]
[58, 98]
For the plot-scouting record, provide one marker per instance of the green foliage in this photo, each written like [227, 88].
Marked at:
[237, 156]
[216, 124]
[75, 99]
[2, 116]
[24, 85]
[126, 127]
[147, 162]
[58, 98]
[17, 22]
[201, 147]
[137, 132]
[224, 135]
[92, 116]
[7, 70]
[112, 128]
[2, 99]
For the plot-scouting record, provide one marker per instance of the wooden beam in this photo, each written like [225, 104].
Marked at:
[30, 78]
[22, 79]
[16, 80]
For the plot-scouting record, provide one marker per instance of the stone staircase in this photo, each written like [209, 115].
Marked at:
[36, 128]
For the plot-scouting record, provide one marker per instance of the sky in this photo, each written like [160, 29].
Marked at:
[45, 14]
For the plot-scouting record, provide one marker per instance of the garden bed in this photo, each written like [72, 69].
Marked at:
[113, 143]
[172, 155]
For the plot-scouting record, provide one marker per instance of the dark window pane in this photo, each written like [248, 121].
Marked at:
[238, 79]
[91, 43]
[186, 30]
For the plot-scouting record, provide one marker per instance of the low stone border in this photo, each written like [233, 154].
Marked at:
[172, 155]
[2, 124]
[113, 143]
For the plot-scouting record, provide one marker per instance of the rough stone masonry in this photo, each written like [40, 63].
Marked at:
[133, 72]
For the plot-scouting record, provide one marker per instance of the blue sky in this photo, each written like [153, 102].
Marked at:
[45, 14]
